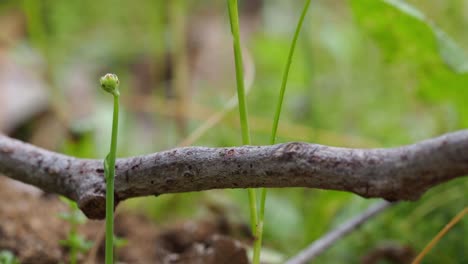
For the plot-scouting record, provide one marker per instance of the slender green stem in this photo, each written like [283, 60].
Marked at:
[73, 255]
[110, 185]
[110, 83]
[234, 21]
[234, 18]
[261, 215]
[109, 255]
[286, 73]
[73, 249]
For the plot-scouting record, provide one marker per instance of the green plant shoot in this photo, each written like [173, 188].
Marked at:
[234, 21]
[110, 84]
[75, 242]
[261, 215]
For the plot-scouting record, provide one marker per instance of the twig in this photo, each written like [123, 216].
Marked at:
[402, 173]
[325, 242]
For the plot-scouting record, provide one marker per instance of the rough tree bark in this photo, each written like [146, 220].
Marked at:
[402, 173]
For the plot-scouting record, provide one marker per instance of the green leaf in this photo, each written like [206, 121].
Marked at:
[406, 8]
[70, 203]
[6, 257]
[82, 244]
[78, 242]
[452, 54]
[120, 241]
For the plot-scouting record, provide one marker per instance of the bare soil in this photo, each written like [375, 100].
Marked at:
[30, 228]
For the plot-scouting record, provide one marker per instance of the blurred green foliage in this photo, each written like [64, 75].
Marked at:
[6, 257]
[75, 242]
[362, 70]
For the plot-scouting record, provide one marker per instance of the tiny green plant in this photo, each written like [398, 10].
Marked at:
[261, 214]
[7, 257]
[75, 242]
[110, 84]
[257, 219]
[234, 21]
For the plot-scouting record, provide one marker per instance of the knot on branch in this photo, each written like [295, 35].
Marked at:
[93, 206]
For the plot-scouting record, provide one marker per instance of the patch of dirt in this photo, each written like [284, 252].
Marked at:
[31, 229]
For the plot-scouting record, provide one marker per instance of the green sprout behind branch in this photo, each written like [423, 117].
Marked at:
[261, 214]
[110, 84]
[257, 219]
[234, 21]
[75, 242]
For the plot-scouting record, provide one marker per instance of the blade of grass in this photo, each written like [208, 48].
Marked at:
[286, 73]
[439, 235]
[261, 215]
[234, 21]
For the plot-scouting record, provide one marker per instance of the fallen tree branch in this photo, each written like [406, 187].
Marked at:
[402, 173]
[322, 244]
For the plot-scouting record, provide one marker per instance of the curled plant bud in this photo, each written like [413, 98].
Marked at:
[110, 84]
